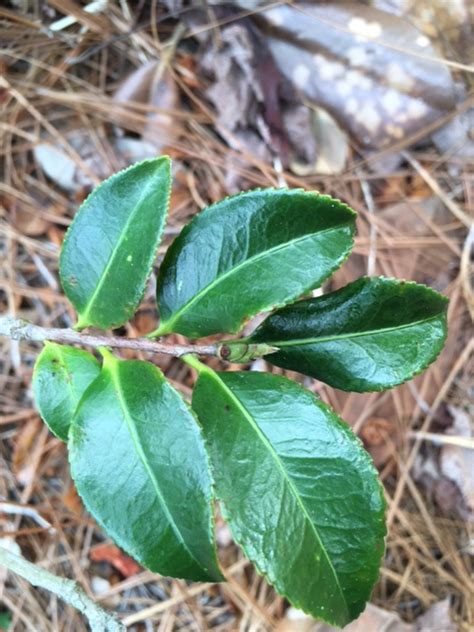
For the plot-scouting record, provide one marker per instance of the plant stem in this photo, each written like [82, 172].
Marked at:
[17, 329]
[99, 619]
[192, 361]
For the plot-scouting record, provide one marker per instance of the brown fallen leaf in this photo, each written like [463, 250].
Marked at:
[329, 144]
[376, 73]
[58, 166]
[457, 462]
[436, 619]
[63, 170]
[446, 470]
[374, 434]
[151, 85]
[27, 219]
[24, 443]
[114, 556]
[374, 619]
[134, 149]
[72, 501]
[457, 138]
[404, 217]
[244, 95]
[24, 217]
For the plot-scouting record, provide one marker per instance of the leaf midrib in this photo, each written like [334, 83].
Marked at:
[285, 476]
[138, 447]
[85, 314]
[165, 325]
[67, 375]
[359, 334]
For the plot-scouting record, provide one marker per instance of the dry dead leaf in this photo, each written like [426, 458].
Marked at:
[365, 66]
[241, 100]
[72, 501]
[28, 221]
[436, 619]
[25, 219]
[456, 462]
[153, 85]
[374, 619]
[374, 434]
[134, 149]
[114, 556]
[404, 216]
[63, 170]
[57, 165]
[457, 137]
[25, 441]
[144, 322]
[331, 145]
[447, 472]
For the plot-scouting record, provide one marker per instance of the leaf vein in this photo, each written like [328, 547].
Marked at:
[285, 477]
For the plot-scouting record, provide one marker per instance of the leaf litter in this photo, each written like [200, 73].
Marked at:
[230, 99]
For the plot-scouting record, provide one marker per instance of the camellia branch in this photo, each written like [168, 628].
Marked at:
[99, 619]
[18, 329]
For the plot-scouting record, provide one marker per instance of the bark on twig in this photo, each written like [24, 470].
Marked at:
[99, 619]
[17, 329]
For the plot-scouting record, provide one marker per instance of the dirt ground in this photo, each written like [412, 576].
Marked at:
[87, 88]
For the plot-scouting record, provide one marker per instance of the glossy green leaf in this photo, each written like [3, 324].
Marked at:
[247, 254]
[109, 249]
[138, 460]
[60, 377]
[372, 334]
[5, 620]
[300, 493]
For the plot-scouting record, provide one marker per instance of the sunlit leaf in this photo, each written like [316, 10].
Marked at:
[300, 493]
[60, 377]
[138, 462]
[109, 249]
[250, 253]
[370, 335]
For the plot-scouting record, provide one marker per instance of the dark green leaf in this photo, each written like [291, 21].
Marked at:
[109, 249]
[61, 376]
[300, 493]
[370, 335]
[5, 620]
[138, 461]
[250, 253]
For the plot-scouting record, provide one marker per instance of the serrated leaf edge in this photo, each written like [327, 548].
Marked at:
[82, 320]
[116, 537]
[166, 327]
[227, 515]
[48, 345]
[441, 316]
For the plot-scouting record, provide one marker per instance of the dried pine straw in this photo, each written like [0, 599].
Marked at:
[67, 84]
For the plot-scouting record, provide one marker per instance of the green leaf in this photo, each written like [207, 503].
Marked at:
[60, 377]
[108, 252]
[247, 254]
[371, 335]
[138, 460]
[5, 620]
[300, 493]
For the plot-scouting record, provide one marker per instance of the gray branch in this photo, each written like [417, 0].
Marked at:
[17, 329]
[99, 619]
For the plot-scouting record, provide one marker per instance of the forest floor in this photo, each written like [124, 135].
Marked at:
[85, 91]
